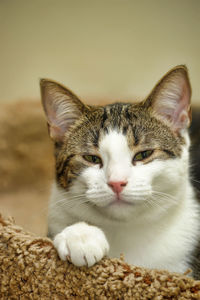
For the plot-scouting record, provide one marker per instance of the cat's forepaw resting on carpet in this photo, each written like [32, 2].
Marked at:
[82, 244]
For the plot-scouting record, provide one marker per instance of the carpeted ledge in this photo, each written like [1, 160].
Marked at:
[31, 269]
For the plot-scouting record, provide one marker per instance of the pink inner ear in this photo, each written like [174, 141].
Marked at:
[172, 100]
[60, 113]
[61, 106]
[181, 118]
[51, 112]
[55, 132]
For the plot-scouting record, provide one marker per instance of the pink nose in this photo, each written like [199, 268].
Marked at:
[117, 186]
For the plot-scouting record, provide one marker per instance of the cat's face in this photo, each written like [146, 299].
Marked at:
[121, 158]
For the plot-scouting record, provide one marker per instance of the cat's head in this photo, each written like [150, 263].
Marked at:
[123, 157]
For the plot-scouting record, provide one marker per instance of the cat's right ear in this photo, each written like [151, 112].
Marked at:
[61, 106]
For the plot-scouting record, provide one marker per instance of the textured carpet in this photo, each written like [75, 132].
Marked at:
[30, 269]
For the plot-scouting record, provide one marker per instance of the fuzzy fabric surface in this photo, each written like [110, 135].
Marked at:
[30, 269]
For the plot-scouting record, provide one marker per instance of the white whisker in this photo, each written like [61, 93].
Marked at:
[155, 203]
[194, 180]
[164, 196]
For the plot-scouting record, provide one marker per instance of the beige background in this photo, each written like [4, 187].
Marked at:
[114, 49]
[101, 49]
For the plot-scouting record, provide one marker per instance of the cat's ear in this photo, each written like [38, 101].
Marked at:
[170, 99]
[61, 106]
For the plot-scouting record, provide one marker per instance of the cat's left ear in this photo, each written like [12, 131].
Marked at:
[170, 99]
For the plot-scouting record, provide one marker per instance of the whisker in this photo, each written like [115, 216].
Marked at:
[74, 206]
[65, 200]
[164, 196]
[194, 180]
[155, 203]
[72, 201]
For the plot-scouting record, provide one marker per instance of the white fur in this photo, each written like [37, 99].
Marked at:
[157, 224]
[82, 243]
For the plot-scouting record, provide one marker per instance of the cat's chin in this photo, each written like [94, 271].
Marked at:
[118, 210]
[120, 203]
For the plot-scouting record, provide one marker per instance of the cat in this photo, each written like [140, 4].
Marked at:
[122, 177]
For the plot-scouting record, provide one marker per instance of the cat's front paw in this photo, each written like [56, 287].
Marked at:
[83, 244]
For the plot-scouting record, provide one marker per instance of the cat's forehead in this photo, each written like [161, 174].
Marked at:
[116, 115]
[133, 121]
[138, 125]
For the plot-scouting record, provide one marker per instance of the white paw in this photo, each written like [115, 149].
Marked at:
[83, 244]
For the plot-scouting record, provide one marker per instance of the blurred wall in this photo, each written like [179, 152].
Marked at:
[115, 49]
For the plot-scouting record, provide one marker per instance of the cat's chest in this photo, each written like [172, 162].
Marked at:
[132, 242]
[147, 247]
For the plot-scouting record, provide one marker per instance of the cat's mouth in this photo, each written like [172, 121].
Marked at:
[118, 200]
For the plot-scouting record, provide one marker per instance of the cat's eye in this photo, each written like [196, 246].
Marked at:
[93, 159]
[142, 155]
